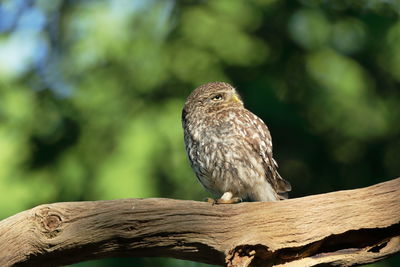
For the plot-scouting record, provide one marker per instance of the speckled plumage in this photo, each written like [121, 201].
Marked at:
[230, 148]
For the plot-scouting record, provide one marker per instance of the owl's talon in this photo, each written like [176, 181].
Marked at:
[210, 200]
[237, 200]
[233, 200]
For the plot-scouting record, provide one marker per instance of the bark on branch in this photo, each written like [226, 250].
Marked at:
[340, 229]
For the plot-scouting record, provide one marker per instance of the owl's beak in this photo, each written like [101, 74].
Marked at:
[236, 98]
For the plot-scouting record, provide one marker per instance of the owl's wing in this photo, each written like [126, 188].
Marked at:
[257, 134]
[281, 186]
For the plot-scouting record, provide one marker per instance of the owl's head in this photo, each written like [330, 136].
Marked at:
[213, 97]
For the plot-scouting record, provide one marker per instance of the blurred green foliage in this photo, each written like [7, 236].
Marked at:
[91, 94]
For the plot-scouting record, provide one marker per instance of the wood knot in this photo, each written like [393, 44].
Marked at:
[52, 222]
[49, 221]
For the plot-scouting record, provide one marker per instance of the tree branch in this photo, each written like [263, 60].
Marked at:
[340, 229]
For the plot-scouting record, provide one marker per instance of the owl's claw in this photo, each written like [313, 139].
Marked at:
[233, 200]
[210, 200]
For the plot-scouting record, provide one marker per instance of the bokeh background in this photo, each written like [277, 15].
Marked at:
[91, 94]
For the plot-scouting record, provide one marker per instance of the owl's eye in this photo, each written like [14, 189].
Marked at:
[217, 97]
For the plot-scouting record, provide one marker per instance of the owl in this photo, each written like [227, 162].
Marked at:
[230, 148]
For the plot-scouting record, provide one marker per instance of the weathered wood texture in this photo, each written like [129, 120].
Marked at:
[341, 229]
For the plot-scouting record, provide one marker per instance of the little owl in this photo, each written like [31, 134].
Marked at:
[230, 148]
